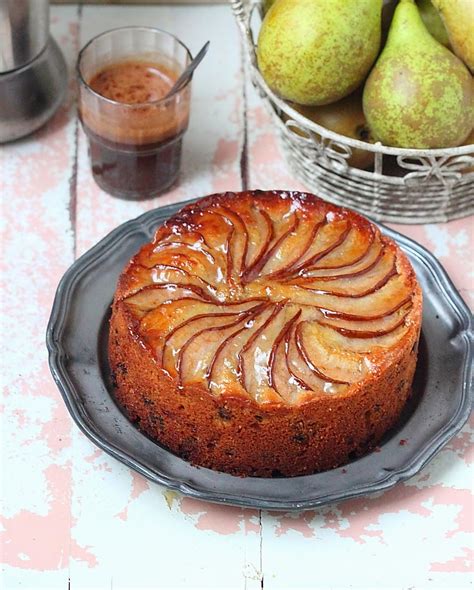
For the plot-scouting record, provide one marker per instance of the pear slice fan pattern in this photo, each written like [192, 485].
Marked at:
[266, 332]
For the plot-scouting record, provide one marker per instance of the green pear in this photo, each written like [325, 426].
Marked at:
[388, 9]
[314, 52]
[433, 21]
[458, 18]
[419, 94]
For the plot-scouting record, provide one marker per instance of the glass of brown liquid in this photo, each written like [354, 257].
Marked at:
[134, 125]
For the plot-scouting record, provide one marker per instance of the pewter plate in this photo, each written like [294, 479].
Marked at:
[77, 343]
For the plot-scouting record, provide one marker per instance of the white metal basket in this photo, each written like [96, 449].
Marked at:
[405, 185]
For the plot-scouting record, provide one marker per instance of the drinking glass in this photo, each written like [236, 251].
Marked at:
[135, 149]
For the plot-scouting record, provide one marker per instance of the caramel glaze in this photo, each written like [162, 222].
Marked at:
[266, 333]
[308, 282]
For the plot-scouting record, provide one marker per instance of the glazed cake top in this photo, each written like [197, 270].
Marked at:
[275, 295]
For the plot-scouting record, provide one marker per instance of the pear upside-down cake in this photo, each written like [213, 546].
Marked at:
[266, 333]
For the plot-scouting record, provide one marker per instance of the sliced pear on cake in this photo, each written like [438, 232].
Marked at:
[291, 246]
[351, 269]
[255, 355]
[357, 286]
[260, 232]
[238, 242]
[328, 238]
[351, 251]
[330, 364]
[381, 302]
[224, 370]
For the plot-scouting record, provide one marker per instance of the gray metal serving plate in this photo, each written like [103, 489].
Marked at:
[77, 344]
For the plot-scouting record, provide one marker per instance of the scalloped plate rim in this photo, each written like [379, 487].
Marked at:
[142, 224]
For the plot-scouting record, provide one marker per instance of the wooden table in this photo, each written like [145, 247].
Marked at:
[73, 515]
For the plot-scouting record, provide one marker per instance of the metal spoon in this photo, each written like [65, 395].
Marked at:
[188, 72]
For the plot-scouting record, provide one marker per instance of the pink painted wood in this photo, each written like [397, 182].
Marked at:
[71, 514]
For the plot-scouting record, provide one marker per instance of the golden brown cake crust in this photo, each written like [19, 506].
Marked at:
[257, 357]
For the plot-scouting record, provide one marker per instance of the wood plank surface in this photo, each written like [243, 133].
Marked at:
[74, 518]
[37, 247]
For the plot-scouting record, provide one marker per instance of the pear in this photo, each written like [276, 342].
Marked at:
[347, 118]
[419, 94]
[314, 52]
[433, 21]
[388, 9]
[428, 13]
[458, 18]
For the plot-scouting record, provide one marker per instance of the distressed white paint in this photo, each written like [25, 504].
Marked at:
[118, 531]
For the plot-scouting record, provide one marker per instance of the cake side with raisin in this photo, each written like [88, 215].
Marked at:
[265, 333]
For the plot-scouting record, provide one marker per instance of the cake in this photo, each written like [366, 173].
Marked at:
[266, 334]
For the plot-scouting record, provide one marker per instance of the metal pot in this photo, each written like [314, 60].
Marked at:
[33, 73]
[24, 32]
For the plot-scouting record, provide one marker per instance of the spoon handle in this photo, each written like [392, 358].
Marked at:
[188, 72]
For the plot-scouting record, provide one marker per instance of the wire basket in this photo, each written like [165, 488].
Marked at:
[405, 185]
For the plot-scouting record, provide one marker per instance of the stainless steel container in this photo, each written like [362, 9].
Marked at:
[24, 32]
[33, 73]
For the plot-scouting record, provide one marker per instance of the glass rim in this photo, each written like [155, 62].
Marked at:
[125, 104]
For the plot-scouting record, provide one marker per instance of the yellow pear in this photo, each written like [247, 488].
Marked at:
[315, 52]
[458, 18]
[345, 117]
[419, 94]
